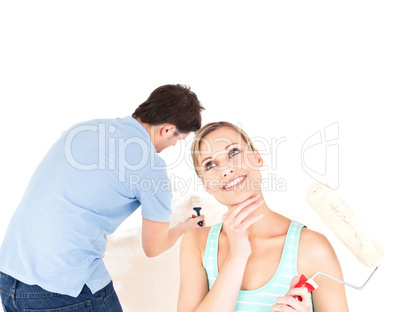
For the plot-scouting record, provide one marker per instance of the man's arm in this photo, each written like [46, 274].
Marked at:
[157, 237]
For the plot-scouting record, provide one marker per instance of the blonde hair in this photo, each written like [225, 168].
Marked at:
[207, 129]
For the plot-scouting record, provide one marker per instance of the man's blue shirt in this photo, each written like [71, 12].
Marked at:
[96, 175]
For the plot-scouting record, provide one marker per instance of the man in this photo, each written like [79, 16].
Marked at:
[90, 181]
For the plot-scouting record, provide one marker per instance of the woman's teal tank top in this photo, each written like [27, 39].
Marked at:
[263, 298]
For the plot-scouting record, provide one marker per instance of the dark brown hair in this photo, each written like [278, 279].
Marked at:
[174, 104]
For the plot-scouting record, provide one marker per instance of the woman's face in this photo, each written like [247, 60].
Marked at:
[229, 168]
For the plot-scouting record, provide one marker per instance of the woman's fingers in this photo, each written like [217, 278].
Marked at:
[248, 222]
[294, 281]
[234, 211]
[290, 303]
[240, 211]
[237, 221]
[281, 308]
[301, 292]
[247, 210]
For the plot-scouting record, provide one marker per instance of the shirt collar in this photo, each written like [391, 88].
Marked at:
[137, 125]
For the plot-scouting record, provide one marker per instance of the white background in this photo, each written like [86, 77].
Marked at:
[281, 70]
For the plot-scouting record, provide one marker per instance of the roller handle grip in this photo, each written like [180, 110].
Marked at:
[197, 210]
[304, 282]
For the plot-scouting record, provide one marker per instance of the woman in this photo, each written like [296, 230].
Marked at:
[250, 261]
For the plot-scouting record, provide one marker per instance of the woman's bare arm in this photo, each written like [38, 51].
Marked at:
[194, 294]
[317, 255]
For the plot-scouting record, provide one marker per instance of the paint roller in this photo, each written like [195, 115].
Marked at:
[347, 227]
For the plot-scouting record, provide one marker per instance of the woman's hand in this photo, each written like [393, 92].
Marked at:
[237, 221]
[288, 303]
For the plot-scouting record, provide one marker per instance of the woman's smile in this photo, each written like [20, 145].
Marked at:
[234, 183]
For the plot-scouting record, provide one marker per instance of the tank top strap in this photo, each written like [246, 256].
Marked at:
[291, 247]
[210, 261]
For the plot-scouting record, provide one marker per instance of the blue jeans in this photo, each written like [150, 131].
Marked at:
[17, 296]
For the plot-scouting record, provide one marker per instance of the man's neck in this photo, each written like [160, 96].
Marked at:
[147, 127]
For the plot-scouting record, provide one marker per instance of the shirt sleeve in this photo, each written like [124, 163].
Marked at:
[154, 192]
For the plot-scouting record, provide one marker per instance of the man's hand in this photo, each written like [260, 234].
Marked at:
[157, 237]
[192, 222]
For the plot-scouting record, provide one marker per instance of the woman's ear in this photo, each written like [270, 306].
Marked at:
[260, 161]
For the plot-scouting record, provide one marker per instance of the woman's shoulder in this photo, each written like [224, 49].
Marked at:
[194, 243]
[313, 241]
[314, 248]
[196, 239]
[198, 234]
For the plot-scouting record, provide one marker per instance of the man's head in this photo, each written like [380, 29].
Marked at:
[170, 113]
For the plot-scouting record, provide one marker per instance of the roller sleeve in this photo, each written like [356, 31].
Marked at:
[344, 223]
